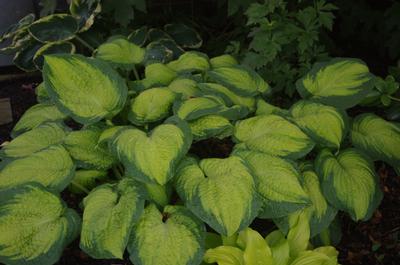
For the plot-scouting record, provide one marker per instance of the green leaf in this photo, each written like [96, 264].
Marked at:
[221, 192]
[156, 52]
[51, 167]
[52, 48]
[210, 126]
[186, 87]
[159, 74]
[35, 116]
[35, 226]
[256, 250]
[279, 247]
[273, 135]
[299, 234]
[85, 12]
[377, 137]
[84, 149]
[95, 92]
[48, 7]
[33, 141]
[58, 27]
[278, 184]
[324, 124]
[349, 182]
[121, 52]
[225, 60]
[151, 105]
[316, 257]
[194, 108]
[139, 36]
[229, 97]
[88, 179]
[159, 194]
[239, 79]
[109, 213]
[190, 62]
[225, 255]
[17, 28]
[23, 59]
[264, 108]
[172, 237]
[341, 82]
[41, 94]
[153, 157]
[185, 36]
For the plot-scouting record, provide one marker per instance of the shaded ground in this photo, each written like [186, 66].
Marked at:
[376, 242]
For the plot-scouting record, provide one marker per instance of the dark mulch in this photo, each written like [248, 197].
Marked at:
[375, 242]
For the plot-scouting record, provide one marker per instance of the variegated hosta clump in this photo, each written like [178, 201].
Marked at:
[134, 151]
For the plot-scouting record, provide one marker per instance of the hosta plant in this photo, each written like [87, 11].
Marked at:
[129, 147]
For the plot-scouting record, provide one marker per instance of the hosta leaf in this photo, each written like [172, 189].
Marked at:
[194, 108]
[278, 184]
[84, 149]
[52, 48]
[274, 135]
[172, 237]
[185, 36]
[95, 92]
[157, 34]
[377, 137]
[341, 82]
[35, 116]
[349, 182]
[52, 167]
[279, 247]
[190, 62]
[35, 226]
[88, 179]
[58, 27]
[110, 210]
[256, 250]
[23, 59]
[315, 257]
[239, 79]
[225, 255]
[264, 108]
[326, 125]
[186, 87]
[41, 94]
[171, 45]
[139, 36]
[85, 12]
[159, 74]
[153, 157]
[225, 60]
[35, 140]
[151, 105]
[211, 126]
[121, 52]
[229, 97]
[159, 194]
[157, 53]
[16, 28]
[221, 192]
[299, 234]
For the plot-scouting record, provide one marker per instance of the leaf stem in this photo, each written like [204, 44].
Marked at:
[80, 187]
[84, 43]
[394, 98]
[135, 72]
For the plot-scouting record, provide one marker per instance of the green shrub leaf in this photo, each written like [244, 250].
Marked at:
[86, 89]
[58, 27]
[172, 237]
[35, 140]
[109, 213]
[274, 135]
[151, 105]
[153, 157]
[377, 137]
[35, 116]
[35, 226]
[341, 82]
[349, 182]
[221, 192]
[278, 184]
[51, 167]
[326, 125]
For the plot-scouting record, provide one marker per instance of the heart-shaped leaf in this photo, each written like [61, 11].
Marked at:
[349, 182]
[35, 226]
[278, 184]
[221, 192]
[95, 92]
[58, 27]
[211, 126]
[35, 140]
[121, 52]
[139, 36]
[51, 167]
[172, 237]
[190, 62]
[326, 125]
[341, 82]
[109, 213]
[377, 137]
[185, 36]
[35, 116]
[273, 135]
[153, 157]
[23, 59]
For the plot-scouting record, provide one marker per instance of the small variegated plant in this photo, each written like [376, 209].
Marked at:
[147, 190]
